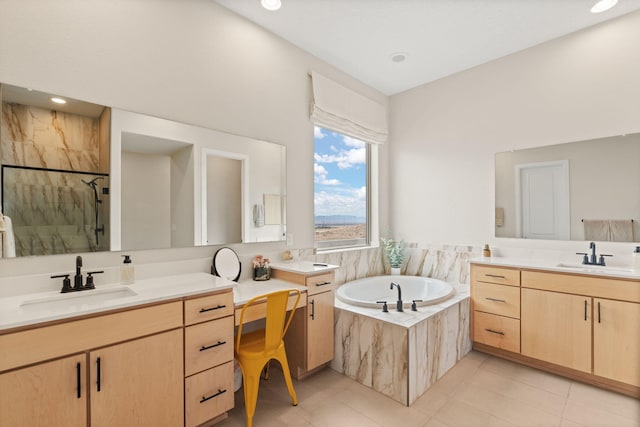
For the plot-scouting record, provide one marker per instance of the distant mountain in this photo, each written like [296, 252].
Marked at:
[339, 220]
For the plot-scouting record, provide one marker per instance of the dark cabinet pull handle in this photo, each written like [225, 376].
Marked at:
[203, 348]
[204, 399]
[495, 299]
[98, 379]
[598, 311]
[496, 276]
[313, 310]
[585, 310]
[323, 284]
[494, 332]
[218, 307]
[79, 380]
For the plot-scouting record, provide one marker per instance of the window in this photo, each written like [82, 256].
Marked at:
[341, 180]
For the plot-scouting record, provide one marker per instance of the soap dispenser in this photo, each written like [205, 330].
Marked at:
[126, 271]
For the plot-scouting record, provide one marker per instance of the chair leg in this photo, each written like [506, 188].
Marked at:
[251, 383]
[282, 358]
[266, 370]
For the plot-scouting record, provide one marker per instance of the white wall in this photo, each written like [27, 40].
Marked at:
[146, 221]
[445, 134]
[191, 61]
[224, 201]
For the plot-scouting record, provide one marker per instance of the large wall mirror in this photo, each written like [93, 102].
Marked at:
[79, 177]
[587, 190]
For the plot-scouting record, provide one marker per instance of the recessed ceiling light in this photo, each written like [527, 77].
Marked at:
[603, 5]
[271, 4]
[58, 100]
[399, 57]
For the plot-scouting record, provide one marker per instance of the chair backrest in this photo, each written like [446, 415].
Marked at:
[276, 318]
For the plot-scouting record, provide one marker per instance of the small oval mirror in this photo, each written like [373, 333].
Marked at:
[226, 264]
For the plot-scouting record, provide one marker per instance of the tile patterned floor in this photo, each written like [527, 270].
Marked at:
[480, 391]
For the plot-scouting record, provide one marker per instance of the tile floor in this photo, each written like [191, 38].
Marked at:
[480, 391]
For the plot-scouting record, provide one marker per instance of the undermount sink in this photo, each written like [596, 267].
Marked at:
[75, 299]
[594, 268]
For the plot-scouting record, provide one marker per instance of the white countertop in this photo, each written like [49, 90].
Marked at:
[573, 267]
[25, 310]
[246, 290]
[304, 267]
[31, 309]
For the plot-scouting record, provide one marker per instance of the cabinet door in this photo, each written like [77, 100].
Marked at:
[48, 394]
[556, 328]
[616, 348]
[319, 329]
[138, 383]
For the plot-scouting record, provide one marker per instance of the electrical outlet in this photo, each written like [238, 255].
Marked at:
[289, 239]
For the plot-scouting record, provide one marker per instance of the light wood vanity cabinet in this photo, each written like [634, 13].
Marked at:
[138, 383]
[616, 342]
[208, 354]
[495, 298]
[584, 327]
[121, 368]
[309, 341]
[120, 374]
[51, 393]
[556, 328]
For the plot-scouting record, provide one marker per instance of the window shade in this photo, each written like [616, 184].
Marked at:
[343, 110]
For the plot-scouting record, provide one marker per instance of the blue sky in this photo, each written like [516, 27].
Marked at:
[340, 174]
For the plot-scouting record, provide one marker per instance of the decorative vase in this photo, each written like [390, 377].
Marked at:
[395, 271]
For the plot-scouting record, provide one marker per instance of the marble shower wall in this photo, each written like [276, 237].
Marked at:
[53, 212]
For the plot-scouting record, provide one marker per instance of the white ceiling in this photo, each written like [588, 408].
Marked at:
[440, 37]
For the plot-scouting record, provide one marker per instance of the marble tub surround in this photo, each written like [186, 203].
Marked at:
[401, 354]
[444, 262]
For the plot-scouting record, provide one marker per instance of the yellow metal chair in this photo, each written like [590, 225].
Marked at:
[255, 349]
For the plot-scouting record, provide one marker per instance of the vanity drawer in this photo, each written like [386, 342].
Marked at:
[208, 308]
[207, 345]
[208, 394]
[496, 331]
[496, 299]
[498, 275]
[319, 283]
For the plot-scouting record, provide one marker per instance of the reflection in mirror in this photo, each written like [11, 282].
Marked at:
[587, 190]
[198, 184]
[157, 176]
[55, 173]
[224, 205]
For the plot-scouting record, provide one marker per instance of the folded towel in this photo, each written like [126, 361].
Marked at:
[8, 239]
[621, 230]
[596, 229]
[258, 215]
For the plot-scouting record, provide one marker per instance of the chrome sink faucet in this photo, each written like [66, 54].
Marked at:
[399, 303]
[593, 259]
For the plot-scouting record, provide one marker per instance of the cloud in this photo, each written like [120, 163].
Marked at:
[344, 159]
[317, 133]
[350, 203]
[353, 142]
[320, 176]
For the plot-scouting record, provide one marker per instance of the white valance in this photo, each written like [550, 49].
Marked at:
[343, 110]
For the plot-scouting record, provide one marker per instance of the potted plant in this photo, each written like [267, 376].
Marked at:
[395, 253]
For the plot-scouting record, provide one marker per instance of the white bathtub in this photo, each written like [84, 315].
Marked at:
[366, 292]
